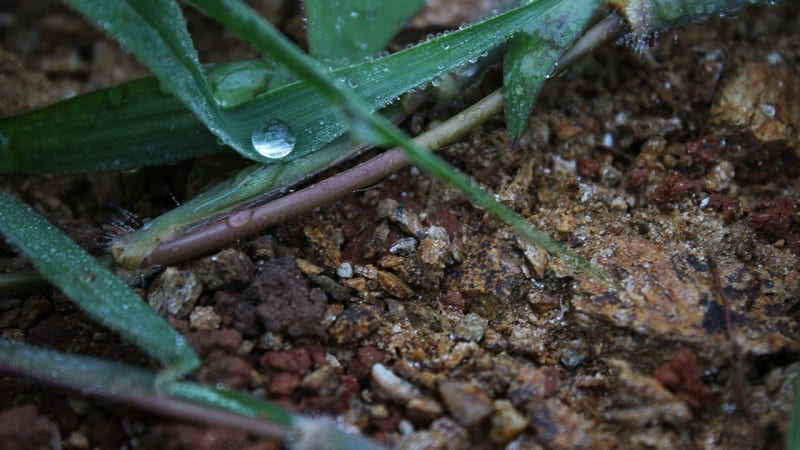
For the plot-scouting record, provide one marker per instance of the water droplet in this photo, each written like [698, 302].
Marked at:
[239, 218]
[553, 71]
[275, 139]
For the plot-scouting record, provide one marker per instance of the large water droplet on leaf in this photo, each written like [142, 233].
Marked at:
[275, 139]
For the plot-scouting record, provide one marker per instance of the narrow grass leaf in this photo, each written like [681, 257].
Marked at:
[375, 128]
[139, 386]
[793, 439]
[130, 125]
[136, 124]
[103, 378]
[311, 108]
[86, 374]
[347, 31]
[231, 401]
[94, 288]
[155, 31]
[531, 57]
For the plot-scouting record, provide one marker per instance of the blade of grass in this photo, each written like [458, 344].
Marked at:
[101, 130]
[126, 126]
[313, 114]
[531, 57]
[155, 31]
[793, 440]
[168, 246]
[374, 129]
[139, 387]
[94, 288]
[347, 31]
[261, 181]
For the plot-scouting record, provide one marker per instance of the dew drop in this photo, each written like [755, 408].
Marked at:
[239, 218]
[275, 139]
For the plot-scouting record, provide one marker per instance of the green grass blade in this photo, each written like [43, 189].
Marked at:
[313, 113]
[373, 128]
[94, 288]
[236, 82]
[793, 439]
[155, 31]
[126, 126]
[347, 31]
[136, 124]
[531, 56]
[137, 386]
[130, 125]
[90, 375]
[231, 401]
[107, 378]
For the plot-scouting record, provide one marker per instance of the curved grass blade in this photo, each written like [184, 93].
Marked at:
[140, 387]
[347, 31]
[155, 31]
[94, 288]
[130, 125]
[107, 129]
[532, 55]
[793, 439]
[375, 129]
[126, 126]
[313, 114]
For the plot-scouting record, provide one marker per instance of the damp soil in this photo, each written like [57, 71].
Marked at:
[418, 319]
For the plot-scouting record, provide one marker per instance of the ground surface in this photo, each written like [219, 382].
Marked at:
[676, 170]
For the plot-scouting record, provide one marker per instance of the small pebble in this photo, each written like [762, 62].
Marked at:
[506, 422]
[390, 386]
[345, 270]
[403, 246]
[204, 318]
[467, 404]
[471, 328]
[174, 292]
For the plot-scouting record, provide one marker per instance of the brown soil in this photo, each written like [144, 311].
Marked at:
[676, 170]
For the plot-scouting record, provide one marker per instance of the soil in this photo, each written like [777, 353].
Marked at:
[411, 315]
